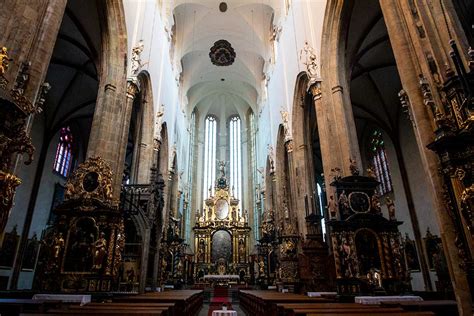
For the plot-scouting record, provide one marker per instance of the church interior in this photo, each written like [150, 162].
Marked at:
[239, 157]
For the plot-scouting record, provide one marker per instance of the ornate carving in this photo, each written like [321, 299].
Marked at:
[15, 142]
[136, 58]
[22, 79]
[222, 53]
[92, 180]
[353, 167]
[8, 184]
[285, 117]
[428, 100]
[271, 158]
[311, 63]
[44, 89]
[159, 125]
[132, 89]
[467, 206]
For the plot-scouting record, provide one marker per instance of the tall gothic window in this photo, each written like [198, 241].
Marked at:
[378, 159]
[235, 157]
[210, 134]
[63, 159]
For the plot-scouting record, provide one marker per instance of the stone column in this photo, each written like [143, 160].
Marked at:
[112, 111]
[411, 61]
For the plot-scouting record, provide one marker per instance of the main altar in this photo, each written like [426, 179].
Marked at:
[221, 237]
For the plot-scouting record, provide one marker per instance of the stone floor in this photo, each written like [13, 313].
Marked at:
[205, 310]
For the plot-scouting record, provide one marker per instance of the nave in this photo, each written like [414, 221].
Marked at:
[265, 156]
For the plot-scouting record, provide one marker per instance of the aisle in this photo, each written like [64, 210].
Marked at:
[205, 310]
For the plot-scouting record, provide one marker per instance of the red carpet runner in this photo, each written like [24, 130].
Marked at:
[220, 296]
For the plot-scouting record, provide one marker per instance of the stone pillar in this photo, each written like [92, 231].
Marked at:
[296, 209]
[336, 126]
[112, 111]
[409, 47]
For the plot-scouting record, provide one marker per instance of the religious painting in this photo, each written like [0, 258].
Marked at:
[413, 264]
[221, 246]
[367, 251]
[31, 253]
[222, 209]
[9, 247]
[80, 246]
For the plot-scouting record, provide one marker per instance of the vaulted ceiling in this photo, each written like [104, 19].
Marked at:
[375, 82]
[247, 26]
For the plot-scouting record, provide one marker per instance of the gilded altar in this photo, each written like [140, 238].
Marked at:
[83, 250]
[221, 236]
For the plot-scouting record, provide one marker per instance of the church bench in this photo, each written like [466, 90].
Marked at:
[186, 302]
[122, 312]
[264, 302]
[163, 309]
[305, 311]
[16, 306]
[363, 313]
[286, 308]
[440, 307]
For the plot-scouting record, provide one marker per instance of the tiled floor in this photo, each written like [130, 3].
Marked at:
[205, 309]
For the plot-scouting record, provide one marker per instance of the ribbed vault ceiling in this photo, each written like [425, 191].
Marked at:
[247, 26]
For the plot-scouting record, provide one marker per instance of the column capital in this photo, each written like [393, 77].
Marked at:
[315, 90]
[132, 89]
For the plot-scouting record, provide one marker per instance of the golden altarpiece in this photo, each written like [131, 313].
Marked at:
[82, 252]
[221, 237]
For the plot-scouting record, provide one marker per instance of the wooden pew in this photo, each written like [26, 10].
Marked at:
[12, 306]
[441, 307]
[263, 303]
[57, 312]
[287, 308]
[372, 314]
[186, 302]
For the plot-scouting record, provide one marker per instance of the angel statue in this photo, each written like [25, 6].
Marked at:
[311, 63]
[222, 164]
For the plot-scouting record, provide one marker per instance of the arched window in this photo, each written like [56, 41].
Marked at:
[210, 133]
[378, 160]
[63, 159]
[235, 157]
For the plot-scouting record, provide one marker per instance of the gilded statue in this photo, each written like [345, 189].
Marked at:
[375, 203]
[4, 60]
[100, 250]
[343, 202]
[391, 208]
[58, 245]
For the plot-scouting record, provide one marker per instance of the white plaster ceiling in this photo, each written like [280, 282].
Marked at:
[247, 26]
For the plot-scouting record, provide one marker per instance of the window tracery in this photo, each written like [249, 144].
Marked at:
[63, 159]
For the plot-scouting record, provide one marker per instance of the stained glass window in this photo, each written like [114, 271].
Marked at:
[210, 134]
[63, 159]
[236, 157]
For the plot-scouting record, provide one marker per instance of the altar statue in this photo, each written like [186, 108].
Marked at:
[100, 247]
[58, 245]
